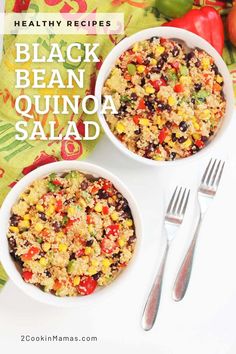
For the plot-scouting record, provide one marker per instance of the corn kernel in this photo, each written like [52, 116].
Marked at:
[144, 121]
[38, 227]
[27, 217]
[90, 229]
[82, 203]
[197, 136]
[43, 262]
[207, 113]
[135, 47]
[153, 61]
[219, 79]
[25, 224]
[92, 270]
[171, 101]
[129, 222]
[196, 125]
[88, 250]
[149, 89]
[106, 263]
[62, 247]
[159, 50]
[98, 208]
[205, 63]
[50, 210]
[187, 143]
[140, 69]
[46, 246]
[158, 158]
[76, 281]
[158, 120]
[39, 207]
[120, 127]
[115, 216]
[60, 235]
[121, 242]
[71, 211]
[185, 80]
[14, 229]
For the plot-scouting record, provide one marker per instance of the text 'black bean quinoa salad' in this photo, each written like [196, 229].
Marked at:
[170, 100]
[71, 233]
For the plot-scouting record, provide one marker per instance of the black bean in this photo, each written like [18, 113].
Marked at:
[72, 256]
[151, 147]
[172, 155]
[175, 51]
[168, 108]
[160, 105]
[155, 70]
[160, 64]
[168, 124]
[211, 133]
[57, 226]
[84, 185]
[150, 106]
[89, 243]
[12, 245]
[97, 275]
[137, 132]
[153, 39]
[189, 56]
[42, 216]
[134, 96]
[146, 61]
[165, 56]
[116, 255]
[204, 138]
[148, 76]
[143, 81]
[197, 86]
[215, 69]
[102, 194]
[197, 63]
[69, 201]
[48, 274]
[131, 240]
[115, 266]
[182, 139]
[173, 137]
[123, 205]
[14, 219]
[183, 126]
[193, 100]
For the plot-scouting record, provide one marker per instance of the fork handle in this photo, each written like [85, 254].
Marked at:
[153, 301]
[183, 276]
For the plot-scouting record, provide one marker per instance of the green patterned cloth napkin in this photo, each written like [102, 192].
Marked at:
[17, 158]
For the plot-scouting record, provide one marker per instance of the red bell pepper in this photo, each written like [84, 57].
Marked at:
[205, 22]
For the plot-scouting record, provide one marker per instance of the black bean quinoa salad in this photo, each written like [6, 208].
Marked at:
[169, 99]
[71, 233]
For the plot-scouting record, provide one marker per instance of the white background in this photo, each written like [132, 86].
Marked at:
[204, 322]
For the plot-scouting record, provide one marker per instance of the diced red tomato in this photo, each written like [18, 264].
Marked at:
[106, 185]
[136, 119]
[30, 254]
[141, 104]
[179, 88]
[57, 285]
[59, 206]
[199, 143]
[155, 85]
[112, 230]
[162, 135]
[175, 65]
[94, 190]
[56, 182]
[80, 252]
[139, 59]
[27, 275]
[163, 41]
[89, 219]
[105, 210]
[108, 246]
[86, 286]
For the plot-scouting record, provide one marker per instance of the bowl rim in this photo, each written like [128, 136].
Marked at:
[176, 34]
[12, 197]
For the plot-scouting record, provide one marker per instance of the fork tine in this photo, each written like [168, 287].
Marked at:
[211, 172]
[171, 201]
[220, 174]
[176, 201]
[186, 203]
[206, 172]
[181, 202]
[215, 173]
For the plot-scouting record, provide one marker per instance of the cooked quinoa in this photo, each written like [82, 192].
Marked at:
[169, 99]
[71, 233]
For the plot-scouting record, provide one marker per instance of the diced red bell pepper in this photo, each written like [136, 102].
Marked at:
[94, 190]
[56, 182]
[162, 135]
[141, 104]
[179, 88]
[31, 253]
[139, 59]
[89, 219]
[59, 206]
[112, 229]
[105, 210]
[57, 285]
[199, 143]
[175, 65]
[27, 275]
[80, 252]
[136, 119]
[106, 185]
[108, 246]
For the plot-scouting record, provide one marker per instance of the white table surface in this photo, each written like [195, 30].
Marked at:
[204, 322]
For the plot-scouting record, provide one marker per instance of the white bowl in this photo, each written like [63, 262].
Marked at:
[191, 40]
[5, 213]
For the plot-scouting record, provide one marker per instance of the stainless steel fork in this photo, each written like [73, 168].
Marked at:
[206, 192]
[173, 219]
